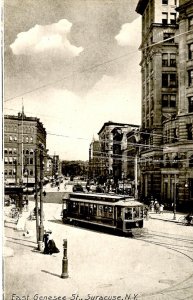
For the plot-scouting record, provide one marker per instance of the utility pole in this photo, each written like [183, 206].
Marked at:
[136, 175]
[36, 197]
[15, 163]
[175, 195]
[41, 227]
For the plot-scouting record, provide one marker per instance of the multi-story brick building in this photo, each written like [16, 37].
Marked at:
[23, 137]
[113, 143]
[167, 79]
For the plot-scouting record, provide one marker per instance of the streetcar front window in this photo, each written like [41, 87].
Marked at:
[136, 212]
[128, 213]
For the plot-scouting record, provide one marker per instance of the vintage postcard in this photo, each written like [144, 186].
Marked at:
[97, 158]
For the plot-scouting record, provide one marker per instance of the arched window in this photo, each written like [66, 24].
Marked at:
[27, 151]
[31, 151]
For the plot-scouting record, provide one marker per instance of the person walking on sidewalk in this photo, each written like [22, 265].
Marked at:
[157, 207]
[146, 213]
[161, 209]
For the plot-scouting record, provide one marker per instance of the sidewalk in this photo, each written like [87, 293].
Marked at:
[166, 216]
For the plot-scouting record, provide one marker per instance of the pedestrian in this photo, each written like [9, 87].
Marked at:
[161, 209]
[46, 240]
[152, 206]
[146, 213]
[189, 218]
[51, 245]
[157, 207]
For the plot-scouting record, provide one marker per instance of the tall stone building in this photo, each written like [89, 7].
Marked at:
[22, 138]
[167, 80]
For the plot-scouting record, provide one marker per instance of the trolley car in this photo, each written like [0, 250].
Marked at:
[118, 212]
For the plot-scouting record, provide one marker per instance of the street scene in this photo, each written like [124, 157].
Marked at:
[97, 172]
[155, 265]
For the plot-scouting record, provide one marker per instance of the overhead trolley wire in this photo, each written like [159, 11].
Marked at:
[95, 66]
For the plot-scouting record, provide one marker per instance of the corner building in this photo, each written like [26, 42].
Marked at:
[22, 136]
[166, 132]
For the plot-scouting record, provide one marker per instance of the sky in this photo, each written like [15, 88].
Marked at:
[75, 65]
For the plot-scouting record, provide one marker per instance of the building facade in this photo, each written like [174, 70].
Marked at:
[113, 143]
[177, 171]
[166, 131]
[94, 159]
[23, 137]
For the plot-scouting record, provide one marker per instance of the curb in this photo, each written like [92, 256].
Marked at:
[165, 220]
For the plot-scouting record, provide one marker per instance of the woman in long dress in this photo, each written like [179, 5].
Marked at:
[51, 245]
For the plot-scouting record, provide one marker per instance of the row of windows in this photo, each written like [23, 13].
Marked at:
[175, 162]
[13, 160]
[14, 151]
[12, 172]
[18, 128]
[170, 163]
[171, 135]
[169, 59]
[26, 139]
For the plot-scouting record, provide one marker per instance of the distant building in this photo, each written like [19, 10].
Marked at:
[22, 138]
[113, 143]
[56, 166]
[94, 159]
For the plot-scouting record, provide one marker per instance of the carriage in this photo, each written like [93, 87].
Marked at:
[121, 213]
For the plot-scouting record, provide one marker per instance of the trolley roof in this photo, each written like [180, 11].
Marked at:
[111, 200]
[101, 196]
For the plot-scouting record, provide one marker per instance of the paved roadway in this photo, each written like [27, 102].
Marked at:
[156, 266]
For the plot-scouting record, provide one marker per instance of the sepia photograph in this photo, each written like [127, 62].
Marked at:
[97, 149]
